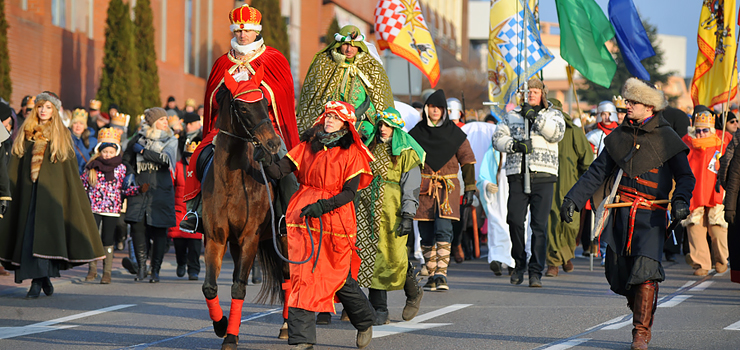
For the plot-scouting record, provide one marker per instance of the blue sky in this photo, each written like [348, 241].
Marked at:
[671, 17]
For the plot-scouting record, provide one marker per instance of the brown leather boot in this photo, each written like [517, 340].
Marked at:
[552, 271]
[645, 303]
[92, 271]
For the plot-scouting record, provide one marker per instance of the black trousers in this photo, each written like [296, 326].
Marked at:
[108, 230]
[539, 202]
[187, 252]
[302, 324]
[379, 298]
[142, 233]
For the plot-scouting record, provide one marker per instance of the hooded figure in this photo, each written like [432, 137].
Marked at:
[447, 151]
[345, 71]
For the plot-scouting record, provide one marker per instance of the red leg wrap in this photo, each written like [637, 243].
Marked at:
[287, 286]
[235, 316]
[214, 309]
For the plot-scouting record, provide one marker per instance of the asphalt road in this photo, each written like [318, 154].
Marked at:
[481, 311]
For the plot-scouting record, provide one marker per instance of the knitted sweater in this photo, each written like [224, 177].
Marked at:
[107, 196]
[546, 131]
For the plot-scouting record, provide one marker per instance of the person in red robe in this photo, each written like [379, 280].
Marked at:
[707, 211]
[248, 52]
[331, 164]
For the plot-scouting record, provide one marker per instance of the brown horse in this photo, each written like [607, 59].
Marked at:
[236, 202]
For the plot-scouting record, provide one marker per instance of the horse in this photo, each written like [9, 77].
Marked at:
[236, 203]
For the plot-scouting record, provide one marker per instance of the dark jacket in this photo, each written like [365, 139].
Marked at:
[158, 203]
[5, 147]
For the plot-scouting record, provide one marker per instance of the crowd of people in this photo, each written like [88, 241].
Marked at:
[386, 182]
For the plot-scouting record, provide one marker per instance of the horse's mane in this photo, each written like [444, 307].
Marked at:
[310, 136]
[223, 99]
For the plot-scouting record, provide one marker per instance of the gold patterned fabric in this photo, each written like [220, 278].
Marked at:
[331, 78]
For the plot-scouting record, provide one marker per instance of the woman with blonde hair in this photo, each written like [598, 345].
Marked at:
[44, 178]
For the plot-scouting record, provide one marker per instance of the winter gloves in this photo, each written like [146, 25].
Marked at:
[729, 216]
[680, 209]
[314, 210]
[406, 226]
[528, 112]
[523, 146]
[566, 210]
[467, 199]
[3, 207]
[138, 148]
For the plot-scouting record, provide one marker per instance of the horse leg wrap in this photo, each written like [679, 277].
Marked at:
[214, 309]
[235, 316]
[287, 286]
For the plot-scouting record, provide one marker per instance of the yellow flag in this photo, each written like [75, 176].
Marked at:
[400, 26]
[508, 49]
[716, 61]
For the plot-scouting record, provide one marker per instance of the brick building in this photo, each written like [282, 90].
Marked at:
[57, 45]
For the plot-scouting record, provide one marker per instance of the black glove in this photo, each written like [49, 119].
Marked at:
[129, 180]
[313, 210]
[680, 209]
[467, 199]
[729, 216]
[566, 210]
[524, 146]
[3, 206]
[528, 112]
[405, 227]
[263, 157]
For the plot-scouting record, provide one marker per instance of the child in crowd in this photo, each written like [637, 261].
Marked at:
[106, 183]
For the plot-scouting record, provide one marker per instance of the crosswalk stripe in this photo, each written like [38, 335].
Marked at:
[46, 326]
[674, 301]
[734, 327]
[568, 344]
[702, 286]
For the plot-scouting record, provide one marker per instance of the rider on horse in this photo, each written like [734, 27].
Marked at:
[248, 52]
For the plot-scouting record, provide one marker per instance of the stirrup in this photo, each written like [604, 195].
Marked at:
[185, 224]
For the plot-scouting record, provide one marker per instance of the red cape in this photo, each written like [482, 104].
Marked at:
[278, 83]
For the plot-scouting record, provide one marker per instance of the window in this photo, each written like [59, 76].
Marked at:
[58, 13]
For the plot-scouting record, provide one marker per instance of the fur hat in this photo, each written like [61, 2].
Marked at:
[153, 114]
[644, 92]
[536, 83]
[51, 97]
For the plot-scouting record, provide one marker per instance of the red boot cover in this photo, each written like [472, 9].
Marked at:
[214, 309]
[235, 316]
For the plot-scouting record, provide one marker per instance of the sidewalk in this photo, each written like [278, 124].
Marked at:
[77, 274]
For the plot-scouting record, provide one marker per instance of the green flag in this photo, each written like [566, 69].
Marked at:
[583, 31]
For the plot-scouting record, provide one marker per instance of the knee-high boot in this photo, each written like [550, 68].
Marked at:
[92, 271]
[414, 293]
[644, 305]
[107, 265]
[430, 259]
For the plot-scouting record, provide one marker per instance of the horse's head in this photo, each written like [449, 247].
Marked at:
[248, 112]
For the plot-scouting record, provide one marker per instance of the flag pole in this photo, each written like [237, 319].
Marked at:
[570, 71]
[729, 95]
[526, 180]
[408, 69]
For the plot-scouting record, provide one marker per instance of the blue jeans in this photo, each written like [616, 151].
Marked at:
[439, 230]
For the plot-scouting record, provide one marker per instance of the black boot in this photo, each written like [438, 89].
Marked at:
[46, 286]
[35, 289]
[141, 260]
[159, 246]
[414, 293]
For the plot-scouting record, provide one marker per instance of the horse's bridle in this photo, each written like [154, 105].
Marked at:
[250, 136]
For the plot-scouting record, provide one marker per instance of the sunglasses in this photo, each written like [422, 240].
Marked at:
[705, 130]
[734, 121]
[632, 102]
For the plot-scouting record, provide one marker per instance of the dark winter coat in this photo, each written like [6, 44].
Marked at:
[65, 229]
[158, 203]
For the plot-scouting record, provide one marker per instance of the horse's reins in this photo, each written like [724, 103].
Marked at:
[308, 229]
[250, 138]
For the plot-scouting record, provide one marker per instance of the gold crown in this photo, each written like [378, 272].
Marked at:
[95, 104]
[619, 102]
[79, 116]
[141, 117]
[120, 119]
[31, 102]
[190, 148]
[245, 18]
[190, 102]
[704, 118]
[110, 135]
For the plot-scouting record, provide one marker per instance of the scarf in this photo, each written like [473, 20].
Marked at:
[156, 140]
[40, 137]
[249, 49]
[638, 148]
[352, 70]
[105, 166]
[605, 129]
[330, 139]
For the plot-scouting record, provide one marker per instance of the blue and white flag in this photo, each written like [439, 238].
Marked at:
[506, 72]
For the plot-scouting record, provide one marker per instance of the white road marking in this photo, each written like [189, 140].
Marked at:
[734, 327]
[609, 323]
[413, 325]
[209, 328]
[674, 301]
[686, 285]
[619, 325]
[702, 286]
[11, 332]
[568, 344]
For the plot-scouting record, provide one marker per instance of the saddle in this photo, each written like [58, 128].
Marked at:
[204, 161]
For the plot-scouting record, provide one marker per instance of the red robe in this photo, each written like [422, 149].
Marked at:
[321, 175]
[180, 208]
[278, 85]
[700, 154]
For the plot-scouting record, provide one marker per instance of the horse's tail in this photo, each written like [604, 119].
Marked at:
[272, 276]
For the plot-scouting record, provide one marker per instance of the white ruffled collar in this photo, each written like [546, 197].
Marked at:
[247, 49]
